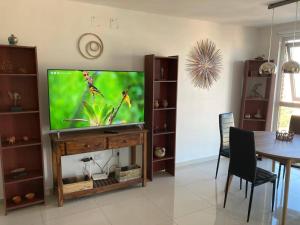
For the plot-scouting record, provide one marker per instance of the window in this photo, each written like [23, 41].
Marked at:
[289, 100]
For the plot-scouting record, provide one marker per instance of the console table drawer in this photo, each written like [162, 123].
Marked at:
[125, 140]
[85, 145]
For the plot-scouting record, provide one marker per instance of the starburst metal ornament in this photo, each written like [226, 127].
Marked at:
[204, 64]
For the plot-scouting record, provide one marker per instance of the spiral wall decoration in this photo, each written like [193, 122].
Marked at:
[204, 64]
[90, 46]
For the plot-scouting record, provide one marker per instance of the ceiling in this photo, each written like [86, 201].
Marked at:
[242, 12]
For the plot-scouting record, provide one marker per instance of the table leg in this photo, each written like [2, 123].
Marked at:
[273, 166]
[286, 191]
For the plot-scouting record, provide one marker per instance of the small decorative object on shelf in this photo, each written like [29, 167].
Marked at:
[247, 116]
[11, 140]
[18, 173]
[258, 114]
[25, 138]
[165, 126]
[16, 199]
[15, 98]
[284, 136]
[22, 70]
[30, 196]
[165, 103]
[160, 152]
[260, 57]
[204, 64]
[12, 39]
[255, 92]
[156, 104]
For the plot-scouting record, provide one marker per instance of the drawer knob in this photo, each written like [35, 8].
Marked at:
[87, 146]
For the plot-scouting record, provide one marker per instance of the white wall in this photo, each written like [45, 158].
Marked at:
[54, 26]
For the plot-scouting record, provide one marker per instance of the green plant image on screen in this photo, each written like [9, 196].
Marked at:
[82, 99]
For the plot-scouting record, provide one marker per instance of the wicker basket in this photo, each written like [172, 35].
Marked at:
[71, 185]
[128, 173]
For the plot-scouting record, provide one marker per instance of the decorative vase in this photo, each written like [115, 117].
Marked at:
[247, 116]
[160, 152]
[156, 104]
[165, 103]
[258, 114]
[12, 39]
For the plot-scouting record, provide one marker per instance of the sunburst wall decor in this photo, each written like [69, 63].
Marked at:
[204, 64]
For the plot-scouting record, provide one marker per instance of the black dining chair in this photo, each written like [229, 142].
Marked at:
[243, 164]
[226, 120]
[294, 127]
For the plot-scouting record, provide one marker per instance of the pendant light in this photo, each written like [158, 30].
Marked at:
[268, 67]
[292, 66]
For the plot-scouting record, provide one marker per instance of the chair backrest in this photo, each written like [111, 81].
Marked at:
[242, 154]
[226, 121]
[295, 124]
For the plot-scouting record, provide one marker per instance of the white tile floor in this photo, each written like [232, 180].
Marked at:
[192, 197]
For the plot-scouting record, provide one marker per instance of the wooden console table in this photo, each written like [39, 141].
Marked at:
[91, 141]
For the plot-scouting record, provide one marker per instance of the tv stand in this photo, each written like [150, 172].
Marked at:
[90, 141]
[111, 132]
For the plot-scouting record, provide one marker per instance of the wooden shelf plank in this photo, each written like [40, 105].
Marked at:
[25, 203]
[165, 81]
[163, 133]
[164, 109]
[257, 99]
[256, 120]
[103, 188]
[32, 175]
[163, 159]
[18, 75]
[19, 113]
[21, 144]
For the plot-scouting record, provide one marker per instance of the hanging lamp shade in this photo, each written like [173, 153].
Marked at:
[268, 68]
[292, 66]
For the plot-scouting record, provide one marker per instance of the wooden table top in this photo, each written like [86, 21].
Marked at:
[267, 145]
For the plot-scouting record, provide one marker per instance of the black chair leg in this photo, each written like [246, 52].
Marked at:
[226, 189]
[241, 183]
[218, 166]
[250, 202]
[273, 195]
[246, 192]
[279, 173]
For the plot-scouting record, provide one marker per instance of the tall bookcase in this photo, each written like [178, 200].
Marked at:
[255, 97]
[18, 74]
[161, 87]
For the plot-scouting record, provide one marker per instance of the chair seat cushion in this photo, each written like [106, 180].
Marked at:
[264, 176]
[225, 152]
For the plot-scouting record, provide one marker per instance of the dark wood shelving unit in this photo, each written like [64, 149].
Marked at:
[252, 104]
[161, 84]
[18, 73]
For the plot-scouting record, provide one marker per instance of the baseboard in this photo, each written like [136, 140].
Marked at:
[196, 161]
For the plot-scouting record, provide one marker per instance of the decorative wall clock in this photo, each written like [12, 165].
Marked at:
[204, 64]
[90, 46]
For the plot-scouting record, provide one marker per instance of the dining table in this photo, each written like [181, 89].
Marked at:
[286, 152]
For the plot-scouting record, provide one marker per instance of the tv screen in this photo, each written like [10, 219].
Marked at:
[85, 99]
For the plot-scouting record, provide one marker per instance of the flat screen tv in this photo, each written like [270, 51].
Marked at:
[82, 99]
